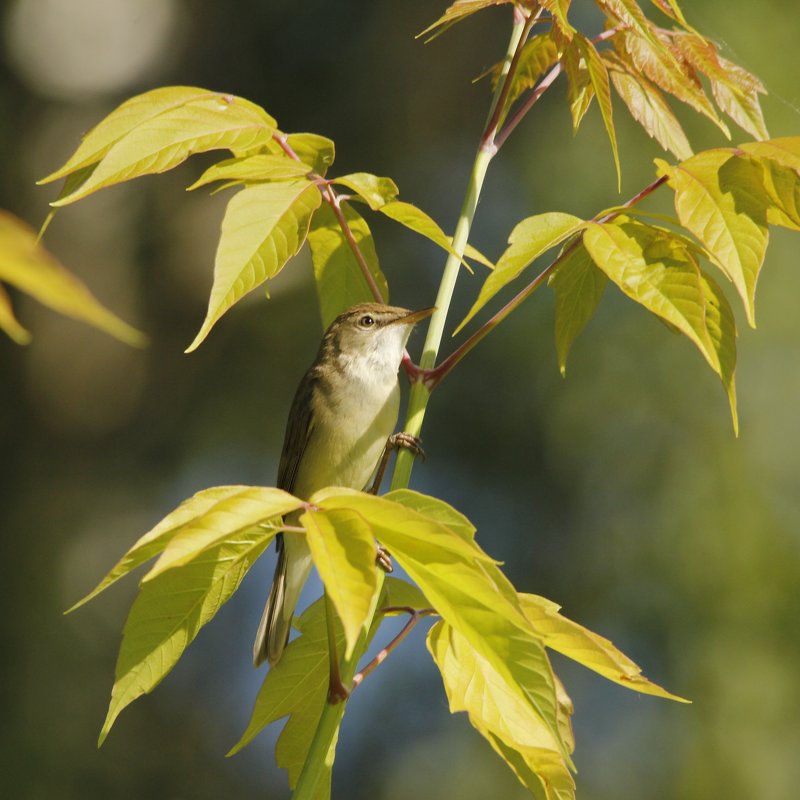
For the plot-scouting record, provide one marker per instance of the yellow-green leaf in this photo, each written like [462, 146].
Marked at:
[559, 8]
[648, 107]
[170, 610]
[783, 150]
[339, 279]
[417, 220]
[587, 648]
[156, 142]
[233, 514]
[782, 188]
[529, 239]
[318, 152]
[717, 198]
[538, 55]
[658, 270]
[253, 169]
[580, 91]
[578, 285]
[598, 75]
[457, 11]
[9, 323]
[374, 190]
[28, 266]
[191, 514]
[496, 709]
[264, 226]
[344, 553]
[434, 509]
[467, 589]
[402, 594]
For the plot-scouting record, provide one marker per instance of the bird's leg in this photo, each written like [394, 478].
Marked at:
[394, 442]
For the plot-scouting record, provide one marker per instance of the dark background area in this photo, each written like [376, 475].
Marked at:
[620, 493]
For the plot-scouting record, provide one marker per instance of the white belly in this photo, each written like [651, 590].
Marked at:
[348, 439]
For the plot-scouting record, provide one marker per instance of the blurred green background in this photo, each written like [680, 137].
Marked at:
[620, 493]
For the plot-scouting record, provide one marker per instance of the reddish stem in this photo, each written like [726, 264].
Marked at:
[433, 377]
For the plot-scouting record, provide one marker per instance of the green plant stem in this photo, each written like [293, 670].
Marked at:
[323, 744]
[420, 393]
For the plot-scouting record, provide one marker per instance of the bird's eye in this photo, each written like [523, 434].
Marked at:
[366, 321]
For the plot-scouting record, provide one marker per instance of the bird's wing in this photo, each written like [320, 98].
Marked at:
[298, 433]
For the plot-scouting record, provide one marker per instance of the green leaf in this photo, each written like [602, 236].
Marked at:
[529, 239]
[264, 226]
[9, 323]
[558, 9]
[170, 610]
[580, 91]
[782, 188]
[434, 509]
[538, 55]
[156, 134]
[233, 514]
[252, 169]
[28, 266]
[375, 191]
[784, 150]
[598, 75]
[578, 285]
[657, 270]
[648, 107]
[191, 514]
[456, 12]
[400, 593]
[339, 279]
[417, 220]
[587, 648]
[318, 152]
[717, 199]
[496, 709]
[344, 553]
[467, 589]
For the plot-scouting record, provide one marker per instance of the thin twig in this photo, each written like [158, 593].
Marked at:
[415, 616]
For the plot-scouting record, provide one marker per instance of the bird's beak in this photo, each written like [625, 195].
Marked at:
[413, 317]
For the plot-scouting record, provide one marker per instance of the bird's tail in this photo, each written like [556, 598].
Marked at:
[291, 572]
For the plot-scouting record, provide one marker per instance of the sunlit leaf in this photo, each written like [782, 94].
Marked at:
[648, 107]
[417, 220]
[587, 648]
[784, 150]
[529, 239]
[735, 89]
[559, 8]
[580, 90]
[782, 188]
[495, 708]
[457, 11]
[542, 772]
[717, 199]
[400, 593]
[375, 191]
[598, 75]
[318, 152]
[252, 169]
[170, 610]
[578, 285]
[9, 323]
[163, 133]
[538, 55]
[658, 63]
[434, 509]
[264, 226]
[656, 269]
[344, 553]
[467, 589]
[234, 513]
[339, 278]
[209, 506]
[29, 267]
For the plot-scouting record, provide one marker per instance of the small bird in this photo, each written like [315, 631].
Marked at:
[341, 418]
